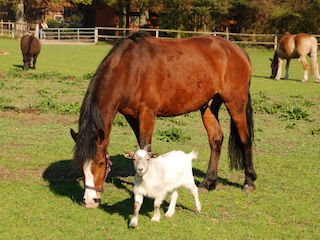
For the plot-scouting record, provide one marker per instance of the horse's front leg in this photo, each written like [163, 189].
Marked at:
[304, 63]
[215, 138]
[278, 76]
[287, 69]
[146, 126]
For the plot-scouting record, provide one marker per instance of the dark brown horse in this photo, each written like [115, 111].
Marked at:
[30, 48]
[143, 77]
[295, 46]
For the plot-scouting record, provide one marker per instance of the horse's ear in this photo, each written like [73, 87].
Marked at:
[74, 135]
[129, 154]
[100, 136]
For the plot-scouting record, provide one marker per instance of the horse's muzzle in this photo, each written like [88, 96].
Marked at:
[95, 203]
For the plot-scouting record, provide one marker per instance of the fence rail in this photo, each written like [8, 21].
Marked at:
[93, 35]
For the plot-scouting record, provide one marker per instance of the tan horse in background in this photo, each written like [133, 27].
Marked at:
[296, 46]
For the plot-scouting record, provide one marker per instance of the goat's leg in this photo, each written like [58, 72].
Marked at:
[157, 203]
[172, 205]
[137, 205]
[194, 191]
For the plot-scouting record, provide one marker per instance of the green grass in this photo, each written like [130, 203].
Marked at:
[41, 193]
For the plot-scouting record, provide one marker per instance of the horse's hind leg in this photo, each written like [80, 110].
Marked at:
[240, 142]
[287, 69]
[304, 63]
[34, 62]
[215, 137]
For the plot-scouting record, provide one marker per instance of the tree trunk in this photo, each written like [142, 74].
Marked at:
[21, 27]
[144, 16]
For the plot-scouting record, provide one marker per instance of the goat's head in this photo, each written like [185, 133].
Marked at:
[141, 159]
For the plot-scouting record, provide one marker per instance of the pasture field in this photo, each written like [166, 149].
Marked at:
[41, 193]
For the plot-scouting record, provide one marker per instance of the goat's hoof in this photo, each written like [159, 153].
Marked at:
[247, 188]
[133, 224]
[198, 209]
[155, 219]
[169, 214]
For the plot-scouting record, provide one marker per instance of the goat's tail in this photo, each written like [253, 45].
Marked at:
[193, 155]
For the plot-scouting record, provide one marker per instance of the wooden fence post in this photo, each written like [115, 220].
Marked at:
[95, 35]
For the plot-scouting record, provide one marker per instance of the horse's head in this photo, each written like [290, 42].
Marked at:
[26, 61]
[274, 66]
[95, 170]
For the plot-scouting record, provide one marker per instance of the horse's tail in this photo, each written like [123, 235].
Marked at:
[313, 56]
[236, 150]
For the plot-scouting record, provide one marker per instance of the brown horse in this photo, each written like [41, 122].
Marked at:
[295, 46]
[30, 48]
[143, 77]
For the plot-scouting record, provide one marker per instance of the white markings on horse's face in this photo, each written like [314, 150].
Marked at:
[90, 198]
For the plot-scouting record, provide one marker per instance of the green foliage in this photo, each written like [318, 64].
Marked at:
[119, 120]
[6, 103]
[315, 131]
[172, 134]
[292, 108]
[49, 105]
[295, 113]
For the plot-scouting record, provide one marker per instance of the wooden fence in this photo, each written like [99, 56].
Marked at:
[108, 34]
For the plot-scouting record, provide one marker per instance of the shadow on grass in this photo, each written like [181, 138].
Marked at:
[200, 174]
[18, 66]
[64, 179]
[281, 79]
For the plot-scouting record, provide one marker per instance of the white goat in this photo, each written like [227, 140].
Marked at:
[155, 177]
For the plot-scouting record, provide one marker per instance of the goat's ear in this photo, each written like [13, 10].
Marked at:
[129, 154]
[74, 135]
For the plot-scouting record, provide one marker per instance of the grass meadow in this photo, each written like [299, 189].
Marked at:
[41, 193]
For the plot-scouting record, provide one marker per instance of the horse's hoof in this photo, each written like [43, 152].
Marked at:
[202, 190]
[248, 189]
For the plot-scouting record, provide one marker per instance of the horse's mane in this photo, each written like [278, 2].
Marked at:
[90, 119]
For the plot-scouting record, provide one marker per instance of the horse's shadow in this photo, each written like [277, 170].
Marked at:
[20, 66]
[64, 180]
[281, 79]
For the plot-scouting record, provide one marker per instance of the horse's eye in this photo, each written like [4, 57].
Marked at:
[101, 164]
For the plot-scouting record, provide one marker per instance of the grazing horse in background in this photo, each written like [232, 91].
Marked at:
[143, 77]
[296, 46]
[30, 48]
